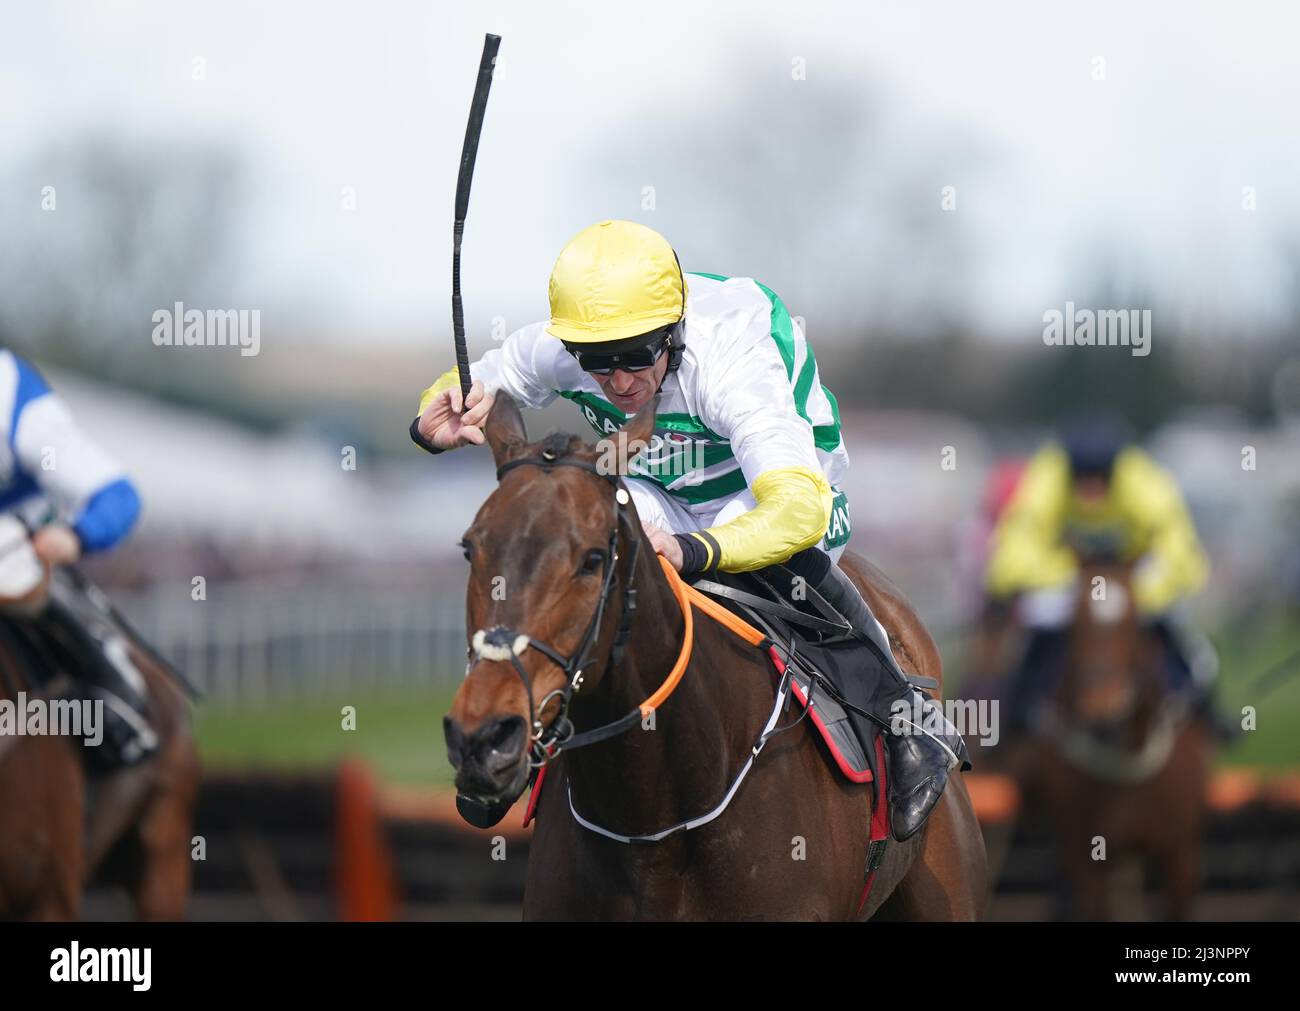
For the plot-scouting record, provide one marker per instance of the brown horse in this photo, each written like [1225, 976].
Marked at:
[59, 826]
[791, 845]
[1122, 769]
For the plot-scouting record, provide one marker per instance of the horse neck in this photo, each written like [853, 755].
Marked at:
[645, 780]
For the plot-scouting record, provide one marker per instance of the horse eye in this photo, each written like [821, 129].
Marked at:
[465, 548]
[592, 561]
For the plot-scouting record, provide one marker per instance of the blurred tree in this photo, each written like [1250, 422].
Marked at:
[100, 232]
[816, 185]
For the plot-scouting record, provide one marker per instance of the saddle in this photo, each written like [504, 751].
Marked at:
[835, 674]
[75, 649]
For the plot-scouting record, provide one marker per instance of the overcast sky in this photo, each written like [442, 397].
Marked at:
[1056, 172]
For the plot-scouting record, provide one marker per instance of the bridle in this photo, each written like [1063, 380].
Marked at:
[501, 643]
[505, 644]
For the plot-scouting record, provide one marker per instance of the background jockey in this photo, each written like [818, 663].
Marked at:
[76, 500]
[743, 474]
[1095, 488]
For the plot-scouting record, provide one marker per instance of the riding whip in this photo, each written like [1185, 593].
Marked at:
[473, 129]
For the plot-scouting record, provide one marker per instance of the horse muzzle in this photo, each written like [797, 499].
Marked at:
[491, 764]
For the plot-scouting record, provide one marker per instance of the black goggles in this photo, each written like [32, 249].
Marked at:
[635, 355]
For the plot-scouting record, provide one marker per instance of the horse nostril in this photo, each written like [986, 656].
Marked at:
[499, 742]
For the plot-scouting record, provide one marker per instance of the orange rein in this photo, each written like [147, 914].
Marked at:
[688, 597]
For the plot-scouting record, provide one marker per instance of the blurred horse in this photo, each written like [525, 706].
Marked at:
[59, 826]
[563, 541]
[1122, 769]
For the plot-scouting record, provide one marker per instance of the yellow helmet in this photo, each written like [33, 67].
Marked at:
[615, 280]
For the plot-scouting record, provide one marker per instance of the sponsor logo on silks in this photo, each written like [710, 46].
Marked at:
[672, 455]
[661, 459]
[667, 458]
[604, 421]
[837, 533]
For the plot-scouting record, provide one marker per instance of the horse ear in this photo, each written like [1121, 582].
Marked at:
[504, 429]
[637, 432]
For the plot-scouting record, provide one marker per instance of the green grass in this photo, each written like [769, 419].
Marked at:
[398, 732]
[1261, 668]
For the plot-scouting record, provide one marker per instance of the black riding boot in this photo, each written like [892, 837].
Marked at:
[1192, 665]
[128, 736]
[109, 678]
[920, 757]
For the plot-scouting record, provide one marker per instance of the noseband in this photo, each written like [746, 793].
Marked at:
[501, 643]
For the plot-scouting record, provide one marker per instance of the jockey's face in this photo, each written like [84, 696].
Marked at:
[1091, 489]
[631, 391]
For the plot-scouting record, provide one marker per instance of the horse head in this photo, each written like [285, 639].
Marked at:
[1102, 686]
[551, 557]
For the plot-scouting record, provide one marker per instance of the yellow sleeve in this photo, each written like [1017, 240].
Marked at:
[446, 381]
[792, 512]
[1175, 564]
[1029, 552]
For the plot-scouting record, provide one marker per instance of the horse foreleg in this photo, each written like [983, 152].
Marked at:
[58, 900]
[1088, 886]
[61, 904]
[160, 886]
[1182, 871]
[58, 896]
[162, 874]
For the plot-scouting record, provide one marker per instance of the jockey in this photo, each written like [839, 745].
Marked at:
[1095, 490]
[741, 396]
[75, 500]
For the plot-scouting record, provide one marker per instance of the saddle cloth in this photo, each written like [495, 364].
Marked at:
[839, 679]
